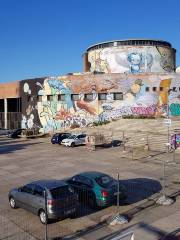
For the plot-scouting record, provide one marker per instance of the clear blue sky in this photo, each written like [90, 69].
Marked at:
[48, 37]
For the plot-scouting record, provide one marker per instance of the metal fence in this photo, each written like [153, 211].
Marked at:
[75, 210]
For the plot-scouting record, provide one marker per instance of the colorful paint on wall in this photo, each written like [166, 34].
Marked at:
[144, 95]
[132, 59]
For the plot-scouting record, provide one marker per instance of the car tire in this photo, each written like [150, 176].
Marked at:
[12, 203]
[42, 217]
[72, 144]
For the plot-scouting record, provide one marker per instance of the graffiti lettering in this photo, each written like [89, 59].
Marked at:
[144, 110]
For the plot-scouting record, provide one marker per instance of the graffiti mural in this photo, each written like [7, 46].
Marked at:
[132, 59]
[50, 103]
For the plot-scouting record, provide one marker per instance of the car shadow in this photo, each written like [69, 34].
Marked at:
[138, 189]
[113, 143]
[5, 149]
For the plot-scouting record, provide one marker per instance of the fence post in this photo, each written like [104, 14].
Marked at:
[124, 148]
[132, 153]
[45, 233]
[118, 193]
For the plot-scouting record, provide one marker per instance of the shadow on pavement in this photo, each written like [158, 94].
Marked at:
[5, 149]
[138, 189]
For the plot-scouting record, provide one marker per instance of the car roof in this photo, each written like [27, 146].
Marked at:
[50, 183]
[92, 174]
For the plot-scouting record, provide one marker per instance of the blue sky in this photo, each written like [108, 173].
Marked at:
[48, 37]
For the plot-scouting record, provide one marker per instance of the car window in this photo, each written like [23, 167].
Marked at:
[61, 192]
[104, 181]
[80, 136]
[83, 180]
[38, 191]
[29, 188]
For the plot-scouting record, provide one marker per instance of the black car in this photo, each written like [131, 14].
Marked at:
[58, 137]
[97, 189]
[61, 199]
[15, 133]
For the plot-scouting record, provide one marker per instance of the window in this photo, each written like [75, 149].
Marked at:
[118, 96]
[102, 96]
[75, 97]
[154, 89]
[38, 191]
[39, 98]
[61, 97]
[147, 89]
[50, 98]
[88, 97]
[161, 89]
[28, 189]
[174, 89]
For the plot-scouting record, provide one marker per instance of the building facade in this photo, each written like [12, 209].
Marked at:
[120, 79]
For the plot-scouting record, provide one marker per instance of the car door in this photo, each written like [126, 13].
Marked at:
[80, 139]
[24, 196]
[38, 200]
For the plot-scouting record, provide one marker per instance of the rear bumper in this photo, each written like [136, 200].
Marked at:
[104, 202]
[61, 213]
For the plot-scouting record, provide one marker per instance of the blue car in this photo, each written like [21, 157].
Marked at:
[58, 137]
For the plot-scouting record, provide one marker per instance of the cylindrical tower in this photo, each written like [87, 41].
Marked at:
[131, 56]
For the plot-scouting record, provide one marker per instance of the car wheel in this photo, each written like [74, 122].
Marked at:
[72, 144]
[12, 203]
[42, 217]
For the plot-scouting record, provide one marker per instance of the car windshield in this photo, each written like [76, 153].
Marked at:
[104, 181]
[60, 192]
[72, 137]
[56, 135]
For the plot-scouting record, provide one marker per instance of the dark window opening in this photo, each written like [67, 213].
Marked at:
[14, 104]
[61, 97]
[75, 97]
[50, 98]
[102, 96]
[174, 89]
[88, 97]
[118, 96]
[147, 89]
[161, 89]
[154, 89]
[39, 98]
[1, 105]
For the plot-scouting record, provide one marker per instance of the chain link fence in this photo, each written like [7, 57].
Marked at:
[78, 203]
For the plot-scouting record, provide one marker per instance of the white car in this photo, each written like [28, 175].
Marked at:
[74, 140]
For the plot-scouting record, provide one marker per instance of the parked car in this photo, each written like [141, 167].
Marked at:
[58, 137]
[96, 188]
[15, 133]
[61, 199]
[74, 140]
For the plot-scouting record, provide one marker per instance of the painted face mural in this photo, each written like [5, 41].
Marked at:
[130, 59]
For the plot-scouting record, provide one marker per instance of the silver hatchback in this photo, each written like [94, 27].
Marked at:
[60, 199]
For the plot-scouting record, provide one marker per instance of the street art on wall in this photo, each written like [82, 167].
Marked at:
[131, 59]
[143, 95]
